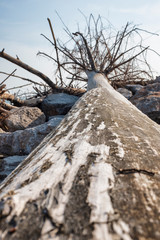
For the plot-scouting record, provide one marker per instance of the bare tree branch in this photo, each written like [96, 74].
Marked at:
[109, 70]
[25, 79]
[28, 68]
[91, 61]
[101, 49]
[18, 87]
[56, 49]
[11, 74]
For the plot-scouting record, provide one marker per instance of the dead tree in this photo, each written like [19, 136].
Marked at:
[114, 53]
[95, 177]
[110, 52]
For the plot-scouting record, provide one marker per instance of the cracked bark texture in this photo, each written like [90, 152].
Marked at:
[97, 176]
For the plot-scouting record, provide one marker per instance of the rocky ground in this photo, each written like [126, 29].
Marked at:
[27, 126]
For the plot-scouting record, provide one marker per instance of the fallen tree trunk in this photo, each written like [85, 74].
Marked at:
[95, 177]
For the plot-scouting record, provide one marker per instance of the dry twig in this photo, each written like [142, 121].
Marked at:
[100, 49]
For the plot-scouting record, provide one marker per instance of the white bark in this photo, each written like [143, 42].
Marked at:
[95, 177]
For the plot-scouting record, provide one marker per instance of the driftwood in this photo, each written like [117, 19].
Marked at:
[97, 176]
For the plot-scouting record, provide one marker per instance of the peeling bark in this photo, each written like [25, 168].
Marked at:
[95, 177]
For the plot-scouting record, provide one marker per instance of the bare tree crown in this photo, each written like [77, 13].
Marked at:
[102, 49]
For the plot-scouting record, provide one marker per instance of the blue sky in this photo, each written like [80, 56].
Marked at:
[22, 22]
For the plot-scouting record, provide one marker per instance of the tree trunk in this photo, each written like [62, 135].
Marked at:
[96, 177]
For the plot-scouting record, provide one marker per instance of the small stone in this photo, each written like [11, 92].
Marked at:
[9, 164]
[22, 142]
[58, 104]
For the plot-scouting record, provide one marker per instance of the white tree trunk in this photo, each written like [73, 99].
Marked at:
[96, 177]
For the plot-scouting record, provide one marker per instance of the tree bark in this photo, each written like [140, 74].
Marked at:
[97, 176]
